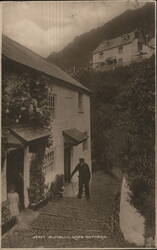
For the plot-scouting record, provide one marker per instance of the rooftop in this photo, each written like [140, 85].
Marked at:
[18, 53]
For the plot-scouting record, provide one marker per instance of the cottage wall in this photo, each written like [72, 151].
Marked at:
[50, 176]
[130, 51]
[67, 116]
[28, 157]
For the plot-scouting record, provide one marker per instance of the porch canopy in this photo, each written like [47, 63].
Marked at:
[28, 134]
[20, 136]
[13, 143]
[73, 137]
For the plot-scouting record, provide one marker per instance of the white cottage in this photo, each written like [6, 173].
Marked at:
[69, 101]
[122, 50]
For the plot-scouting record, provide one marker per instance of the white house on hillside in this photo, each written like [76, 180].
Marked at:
[121, 50]
[69, 102]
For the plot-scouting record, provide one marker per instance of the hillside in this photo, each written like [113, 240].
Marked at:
[79, 52]
[123, 128]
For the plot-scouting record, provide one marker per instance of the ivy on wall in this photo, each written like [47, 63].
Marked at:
[6, 216]
[25, 103]
[25, 100]
[37, 180]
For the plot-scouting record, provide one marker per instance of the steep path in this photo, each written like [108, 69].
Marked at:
[72, 222]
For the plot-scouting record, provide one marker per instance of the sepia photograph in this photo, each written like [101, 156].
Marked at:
[78, 124]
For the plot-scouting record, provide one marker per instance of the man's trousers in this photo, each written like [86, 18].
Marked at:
[83, 185]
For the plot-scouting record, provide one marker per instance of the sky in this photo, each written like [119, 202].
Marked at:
[48, 26]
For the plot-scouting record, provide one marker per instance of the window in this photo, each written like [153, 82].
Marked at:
[140, 46]
[108, 42]
[48, 162]
[85, 143]
[80, 103]
[109, 60]
[101, 54]
[126, 37]
[120, 61]
[102, 64]
[115, 61]
[52, 102]
[120, 49]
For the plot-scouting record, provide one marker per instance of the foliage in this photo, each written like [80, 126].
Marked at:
[57, 187]
[37, 180]
[24, 100]
[123, 127]
[6, 216]
[137, 121]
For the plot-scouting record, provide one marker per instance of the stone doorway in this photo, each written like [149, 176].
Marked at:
[15, 173]
[67, 164]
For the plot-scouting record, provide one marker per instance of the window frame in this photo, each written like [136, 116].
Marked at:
[120, 49]
[101, 53]
[80, 103]
[48, 165]
[85, 142]
[139, 46]
[52, 97]
[120, 61]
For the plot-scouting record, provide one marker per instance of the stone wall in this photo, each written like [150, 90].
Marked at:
[132, 223]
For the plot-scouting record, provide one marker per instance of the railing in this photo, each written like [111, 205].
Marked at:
[107, 67]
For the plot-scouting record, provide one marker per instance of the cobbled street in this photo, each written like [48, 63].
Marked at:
[71, 222]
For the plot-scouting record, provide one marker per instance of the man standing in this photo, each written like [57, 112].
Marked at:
[84, 177]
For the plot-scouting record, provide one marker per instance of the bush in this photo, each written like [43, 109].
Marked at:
[6, 216]
[123, 127]
[57, 187]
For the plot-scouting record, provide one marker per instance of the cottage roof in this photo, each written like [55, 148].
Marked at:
[17, 52]
[116, 42]
[13, 142]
